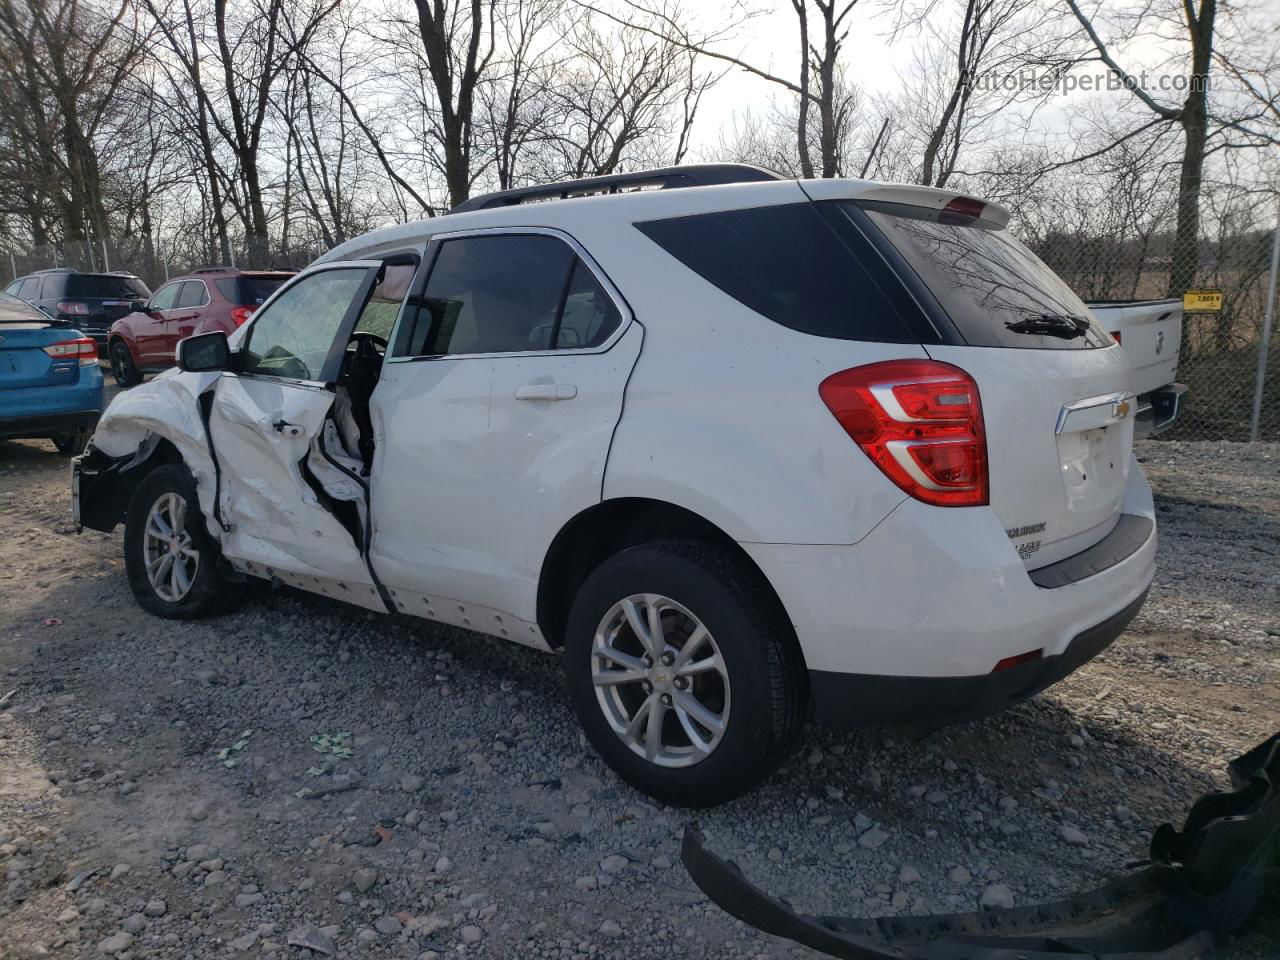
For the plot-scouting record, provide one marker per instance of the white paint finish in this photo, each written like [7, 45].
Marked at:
[276, 519]
[1150, 336]
[470, 616]
[1071, 482]
[471, 484]
[935, 592]
[166, 407]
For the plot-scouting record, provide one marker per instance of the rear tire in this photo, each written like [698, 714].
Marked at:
[753, 694]
[174, 566]
[123, 369]
[73, 443]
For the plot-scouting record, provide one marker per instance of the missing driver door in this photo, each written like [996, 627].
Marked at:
[269, 421]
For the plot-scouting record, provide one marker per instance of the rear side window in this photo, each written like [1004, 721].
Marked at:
[508, 293]
[193, 294]
[995, 290]
[105, 286]
[249, 290]
[30, 289]
[786, 263]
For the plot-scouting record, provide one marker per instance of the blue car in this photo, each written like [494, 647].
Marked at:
[50, 382]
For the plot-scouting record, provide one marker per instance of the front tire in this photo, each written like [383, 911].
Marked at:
[123, 369]
[683, 671]
[172, 563]
[72, 443]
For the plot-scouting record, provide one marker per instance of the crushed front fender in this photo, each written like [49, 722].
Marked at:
[1207, 878]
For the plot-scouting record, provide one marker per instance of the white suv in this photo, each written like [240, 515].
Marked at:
[740, 451]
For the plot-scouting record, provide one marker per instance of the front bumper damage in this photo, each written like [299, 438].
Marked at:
[1201, 881]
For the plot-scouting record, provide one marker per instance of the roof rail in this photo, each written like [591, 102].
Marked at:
[693, 175]
[213, 268]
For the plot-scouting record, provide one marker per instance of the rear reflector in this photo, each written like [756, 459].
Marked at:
[73, 308]
[920, 422]
[82, 348]
[1009, 662]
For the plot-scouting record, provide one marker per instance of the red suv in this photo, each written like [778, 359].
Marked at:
[213, 298]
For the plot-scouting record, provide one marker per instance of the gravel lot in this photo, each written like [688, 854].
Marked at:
[470, 818]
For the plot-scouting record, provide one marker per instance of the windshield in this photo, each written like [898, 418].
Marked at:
[995, 290]
[89, 285]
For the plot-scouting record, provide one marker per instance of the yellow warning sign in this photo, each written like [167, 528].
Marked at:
[1202, 301]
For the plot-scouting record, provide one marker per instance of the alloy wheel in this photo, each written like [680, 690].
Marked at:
[171, 559]
[660, 680]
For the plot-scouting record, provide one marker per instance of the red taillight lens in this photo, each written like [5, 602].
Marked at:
[73, 308]
[1115, 335]
[82, 349]
[240, 314]
[920, 421]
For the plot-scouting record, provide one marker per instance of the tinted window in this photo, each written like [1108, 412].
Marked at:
[192, 295]
[12, 289]
[249, 290]
[30, 289]
[988, 282]
[785, 262]
[491, 294]
[166, 297]
[293, 336]
[589, 314]
[103, 285]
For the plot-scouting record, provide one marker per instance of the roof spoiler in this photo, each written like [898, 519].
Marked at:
[972, 209]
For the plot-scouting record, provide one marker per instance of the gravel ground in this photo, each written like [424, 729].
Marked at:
[163, 793]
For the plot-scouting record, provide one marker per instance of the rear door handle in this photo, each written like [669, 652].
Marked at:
[547, 391]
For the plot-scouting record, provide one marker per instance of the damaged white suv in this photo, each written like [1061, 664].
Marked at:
[742, 450]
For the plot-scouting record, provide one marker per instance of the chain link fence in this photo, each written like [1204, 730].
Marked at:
[1221, 348]
[1220, 354]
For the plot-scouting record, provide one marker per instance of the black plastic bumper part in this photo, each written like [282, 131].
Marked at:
[1204, 880]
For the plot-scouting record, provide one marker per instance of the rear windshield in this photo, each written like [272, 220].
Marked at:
[250, 290]
[787, 263]
[996, 291]
[89, 285]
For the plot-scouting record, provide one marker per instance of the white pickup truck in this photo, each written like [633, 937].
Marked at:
[1150, 332]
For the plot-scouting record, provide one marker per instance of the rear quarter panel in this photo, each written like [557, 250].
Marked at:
[722, 413]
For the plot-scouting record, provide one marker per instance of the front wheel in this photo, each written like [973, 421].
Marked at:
[172, 562]
[123, 369]
[683, 671]
[71, 443]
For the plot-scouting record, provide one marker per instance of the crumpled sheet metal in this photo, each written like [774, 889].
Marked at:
[1207, 878]
[164, 407]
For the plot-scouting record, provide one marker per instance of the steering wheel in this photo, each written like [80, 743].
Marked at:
[358, 335]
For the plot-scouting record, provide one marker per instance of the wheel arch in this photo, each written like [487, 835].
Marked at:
[607, 528]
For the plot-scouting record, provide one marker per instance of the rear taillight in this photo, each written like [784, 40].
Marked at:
[920, 421]
[82, 349]
[1115, 335]
[73, 308]
[240, 314]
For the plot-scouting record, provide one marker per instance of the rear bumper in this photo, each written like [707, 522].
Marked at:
[909, 624]
[849, 700]
[48, 425]
[1158, 410]
[42, 411]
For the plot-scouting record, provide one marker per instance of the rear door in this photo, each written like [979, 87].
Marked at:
[267, 423]
[494, 412]
[1055, 389]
